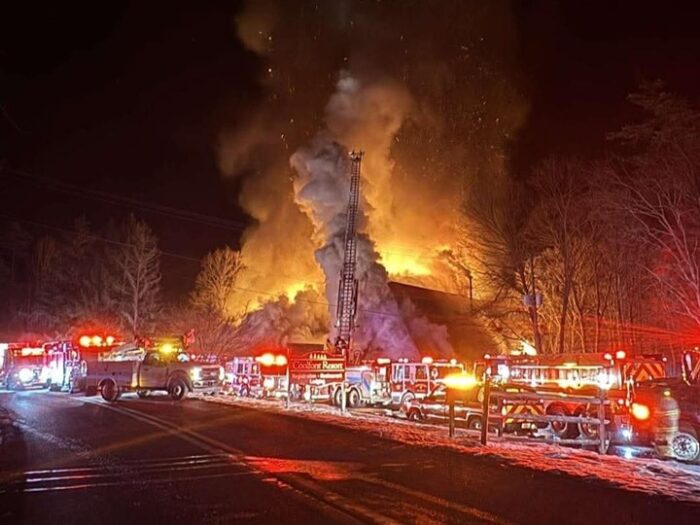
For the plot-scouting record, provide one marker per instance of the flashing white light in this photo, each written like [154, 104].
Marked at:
[383, 360]
[453, 361]
[196, 373]
[427, 360]
[627, 434]
[25, 375]
[620, 354]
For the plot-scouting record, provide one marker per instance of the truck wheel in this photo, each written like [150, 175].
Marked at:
[405, 400]
[143, 394]
[685, 445]
[558, 428]
[474, 423]
[414, 415]
[110, 391]
[353, 398]
[177, 389]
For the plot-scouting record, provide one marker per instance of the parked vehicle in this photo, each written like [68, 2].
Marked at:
[243, 377]
[434, 407]
[24, 366]
[158, 370]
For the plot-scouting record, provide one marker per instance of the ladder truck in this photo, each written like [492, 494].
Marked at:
[347, 286]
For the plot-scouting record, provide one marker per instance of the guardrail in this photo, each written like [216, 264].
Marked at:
[507, 398]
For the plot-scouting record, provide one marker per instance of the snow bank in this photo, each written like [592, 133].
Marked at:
[651, 476]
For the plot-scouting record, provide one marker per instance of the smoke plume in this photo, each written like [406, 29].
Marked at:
[430, 97]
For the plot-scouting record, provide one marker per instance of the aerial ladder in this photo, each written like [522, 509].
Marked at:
[347, 287]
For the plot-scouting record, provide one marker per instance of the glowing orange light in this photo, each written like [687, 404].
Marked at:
[85, 340]
[383, 360]
[460, 381]
[640, 411]
[280, 360]
[620, 354]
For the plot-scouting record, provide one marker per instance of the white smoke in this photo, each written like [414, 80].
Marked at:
[367, 117]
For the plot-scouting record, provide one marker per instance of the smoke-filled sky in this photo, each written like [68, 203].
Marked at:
[199, 107]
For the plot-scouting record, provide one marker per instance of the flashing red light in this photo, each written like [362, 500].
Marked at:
[85, 340]
[608, 356]
[109, 340]
[96, 340]
[487, 356]
[281, 360]
[620, 354]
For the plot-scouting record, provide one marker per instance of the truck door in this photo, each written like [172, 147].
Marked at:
[153, 371]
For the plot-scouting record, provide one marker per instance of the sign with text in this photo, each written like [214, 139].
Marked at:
[316, 366]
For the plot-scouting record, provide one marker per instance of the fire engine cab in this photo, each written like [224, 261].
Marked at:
[24, 366]
[415, 380]
[243, 377]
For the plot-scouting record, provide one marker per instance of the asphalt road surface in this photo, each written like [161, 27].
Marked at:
[72, 459]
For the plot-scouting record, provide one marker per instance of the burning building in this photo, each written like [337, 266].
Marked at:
[331, 82]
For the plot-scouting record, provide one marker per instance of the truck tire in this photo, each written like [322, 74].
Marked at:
[109, 390]
[474, 423]
[143, 394]
[559, 429]
[405, 400]
[685, 445]
[353, 398]
[177, 389]
[414, 415]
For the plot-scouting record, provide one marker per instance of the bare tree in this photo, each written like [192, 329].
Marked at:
[137, 283]
[216, 281]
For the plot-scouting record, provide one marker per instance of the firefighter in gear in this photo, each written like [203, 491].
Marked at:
[665, 424]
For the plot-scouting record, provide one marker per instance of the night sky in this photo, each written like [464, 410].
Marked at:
[128, 99]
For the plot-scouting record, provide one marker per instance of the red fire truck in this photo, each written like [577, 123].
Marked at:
[243, 377]
[415, 380]
[24, 366]
[581, 374]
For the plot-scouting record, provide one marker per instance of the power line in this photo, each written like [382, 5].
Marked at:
[72, 189]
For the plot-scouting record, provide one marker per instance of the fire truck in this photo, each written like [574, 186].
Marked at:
[243, 377]
[647, 403]
[24, 366]
[415, 380]
[274, 373]
[61, 357]
[579, 374]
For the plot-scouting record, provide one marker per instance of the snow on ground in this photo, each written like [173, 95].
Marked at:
[652, 476]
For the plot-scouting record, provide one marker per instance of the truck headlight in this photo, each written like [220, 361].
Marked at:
[196, 373]
[25, 375]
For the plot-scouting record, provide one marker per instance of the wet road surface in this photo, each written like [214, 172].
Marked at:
[72, 459]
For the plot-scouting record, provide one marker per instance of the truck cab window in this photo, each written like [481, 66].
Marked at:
[152, 359]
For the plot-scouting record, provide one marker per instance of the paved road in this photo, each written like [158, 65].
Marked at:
[78, 460]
